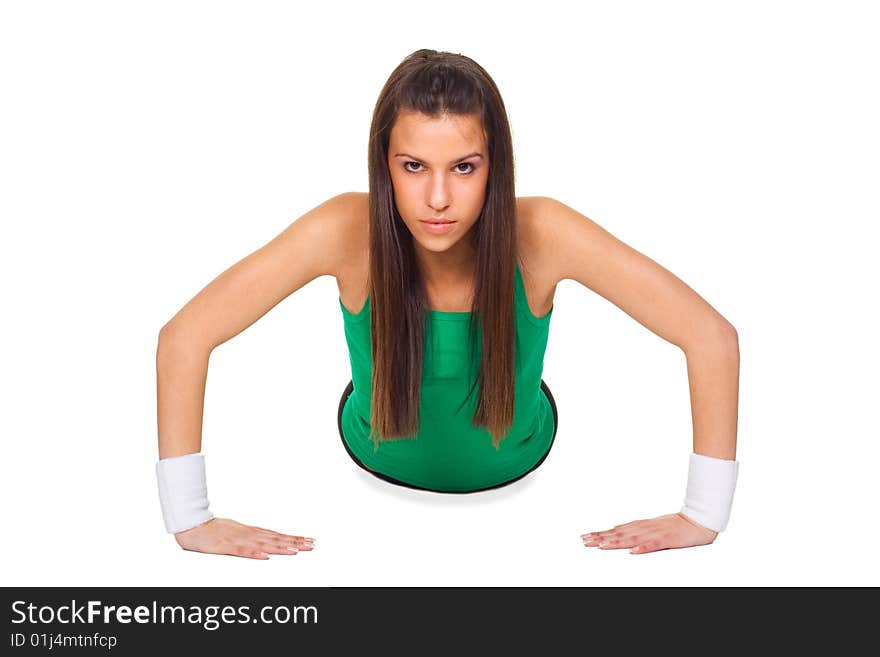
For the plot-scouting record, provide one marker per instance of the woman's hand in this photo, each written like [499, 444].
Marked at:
[661, 533]
[224, 536]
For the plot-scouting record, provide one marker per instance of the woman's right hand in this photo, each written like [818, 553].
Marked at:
[225, 536]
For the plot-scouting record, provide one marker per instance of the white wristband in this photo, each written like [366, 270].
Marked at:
[709, 497]
[183, 493]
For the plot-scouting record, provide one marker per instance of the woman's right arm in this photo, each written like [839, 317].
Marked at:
[310, 247]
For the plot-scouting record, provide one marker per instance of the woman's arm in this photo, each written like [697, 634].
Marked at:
[664, 304]
[181, 373]
[237, 298]
[713, 379]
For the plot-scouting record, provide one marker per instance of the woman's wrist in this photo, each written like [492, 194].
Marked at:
[183, 492]
[709, 496]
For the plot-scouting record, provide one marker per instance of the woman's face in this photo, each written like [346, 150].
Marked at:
[439, 168]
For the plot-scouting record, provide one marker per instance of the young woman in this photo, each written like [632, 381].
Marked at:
[446, 285]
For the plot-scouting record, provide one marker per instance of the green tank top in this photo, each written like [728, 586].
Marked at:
[448, 454]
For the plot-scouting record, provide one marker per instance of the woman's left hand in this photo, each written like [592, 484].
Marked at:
[661, 533]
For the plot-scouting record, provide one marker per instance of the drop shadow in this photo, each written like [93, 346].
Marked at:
[444, 499]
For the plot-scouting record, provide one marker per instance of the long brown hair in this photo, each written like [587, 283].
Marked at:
[438, 83]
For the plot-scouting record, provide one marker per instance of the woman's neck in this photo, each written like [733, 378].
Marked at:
[448, 270]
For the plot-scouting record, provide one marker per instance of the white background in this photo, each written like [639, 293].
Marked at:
[145, 148]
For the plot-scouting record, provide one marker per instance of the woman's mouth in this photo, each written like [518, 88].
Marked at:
[438, 227]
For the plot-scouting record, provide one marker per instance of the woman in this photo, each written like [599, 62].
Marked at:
[446, 285]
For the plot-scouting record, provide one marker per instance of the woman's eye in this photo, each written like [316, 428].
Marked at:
[460, 164]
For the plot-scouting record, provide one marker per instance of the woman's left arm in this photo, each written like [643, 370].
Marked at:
[661, 302]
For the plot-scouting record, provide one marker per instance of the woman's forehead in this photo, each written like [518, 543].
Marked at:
[450, 134]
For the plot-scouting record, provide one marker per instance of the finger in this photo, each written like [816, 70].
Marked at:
[608, 533]
[594, 535]
[614, 530]
[279, 534]
[300, 542]
[249, 552]
[615, 543]
[280, 548]
[604, 531]
[601, 541]
[648, 546]
[298, 539]
[259, 546]
[287, 546]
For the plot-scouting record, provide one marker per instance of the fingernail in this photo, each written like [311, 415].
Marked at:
[292, 548]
